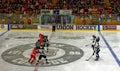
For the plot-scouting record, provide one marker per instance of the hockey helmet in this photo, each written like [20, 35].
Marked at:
[41, 35]
[98, 39]
[93, 36]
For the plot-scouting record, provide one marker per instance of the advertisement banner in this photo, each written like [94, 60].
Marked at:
[3, 26]
[118, 27]
[65, 27]
[76, 27]
[22, 26]
[109, 27]
[46, 12]
[65, 12]
[30, 26]
[44, 27]
[17, 26]
[86, 27]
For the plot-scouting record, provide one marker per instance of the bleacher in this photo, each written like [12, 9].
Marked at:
[84, 11]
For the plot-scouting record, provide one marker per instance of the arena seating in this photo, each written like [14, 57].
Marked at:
[80, 8]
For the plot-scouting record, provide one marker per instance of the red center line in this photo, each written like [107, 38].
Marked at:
[51, 36]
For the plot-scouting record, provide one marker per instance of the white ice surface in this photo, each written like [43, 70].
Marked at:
[114, 41]
[106, 62]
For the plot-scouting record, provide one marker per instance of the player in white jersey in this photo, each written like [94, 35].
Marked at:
[42, 55]
[96, 48]
[93, 41]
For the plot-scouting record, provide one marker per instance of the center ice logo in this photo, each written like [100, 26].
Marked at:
[58, 54]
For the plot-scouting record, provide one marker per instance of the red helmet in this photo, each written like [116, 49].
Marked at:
[41, 35]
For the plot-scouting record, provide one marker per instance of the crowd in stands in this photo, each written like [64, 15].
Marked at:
[80, 8]
[77, 6]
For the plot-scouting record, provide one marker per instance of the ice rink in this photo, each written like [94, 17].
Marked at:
[71, 51]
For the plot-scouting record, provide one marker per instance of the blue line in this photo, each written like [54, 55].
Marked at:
[109, 47]
[3, 33]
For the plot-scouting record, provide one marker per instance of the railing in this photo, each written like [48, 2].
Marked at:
[88, 19]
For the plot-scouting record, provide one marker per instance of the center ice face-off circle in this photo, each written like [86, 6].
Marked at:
[58, 54]
[52, 54]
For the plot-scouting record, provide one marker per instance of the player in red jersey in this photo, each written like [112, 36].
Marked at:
[41, 36]
[33, 55]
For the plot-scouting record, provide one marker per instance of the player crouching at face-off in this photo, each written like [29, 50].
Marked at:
[33, 55]
[42, 55]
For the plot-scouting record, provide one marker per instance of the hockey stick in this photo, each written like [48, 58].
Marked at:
[89, 58]
[36, 68]
[87, 45]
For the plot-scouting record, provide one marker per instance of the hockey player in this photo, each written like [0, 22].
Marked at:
[96, 50]
[96, 46]
[33, 55]
[97, 39]
[37, 44]
[93, 41]
[46, 42]
[42, 55]
[41, 37]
